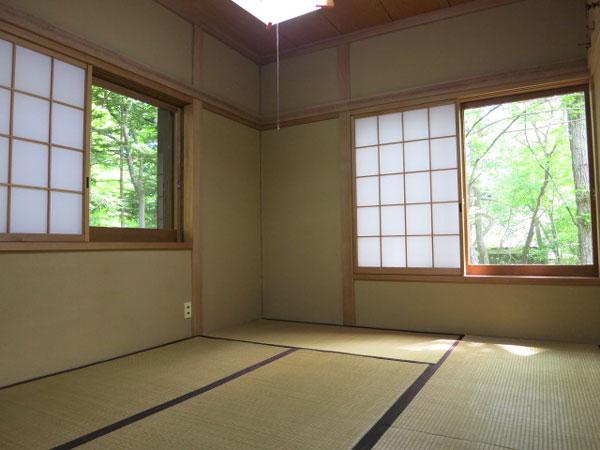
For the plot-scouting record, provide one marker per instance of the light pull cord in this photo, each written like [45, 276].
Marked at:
[278, 102]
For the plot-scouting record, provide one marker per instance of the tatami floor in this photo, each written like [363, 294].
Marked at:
[283, 385]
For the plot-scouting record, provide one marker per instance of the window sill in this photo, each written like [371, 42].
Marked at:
[42, 247]
[481, 279]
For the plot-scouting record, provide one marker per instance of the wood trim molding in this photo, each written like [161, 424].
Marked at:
[483, 279]
[568, 72]
[346, 208]
[194, 204]
[43, 247]
[33, 29]
[104, 234]
[398, 25]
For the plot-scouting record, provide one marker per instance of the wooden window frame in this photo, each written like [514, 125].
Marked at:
[570, 276]
[134, 83]
[394, 273]
[533, 270]
[85, 149]
[121, 234]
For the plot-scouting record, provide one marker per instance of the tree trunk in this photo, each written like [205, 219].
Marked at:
[141, 195]
[482, 253]
[581, 172]
[538, 203]
[135, 180]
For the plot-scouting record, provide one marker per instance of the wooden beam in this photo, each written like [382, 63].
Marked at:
[562, 73]
[194, 204]
[345, 174]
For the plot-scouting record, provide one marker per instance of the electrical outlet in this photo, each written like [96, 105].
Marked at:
[187, 310]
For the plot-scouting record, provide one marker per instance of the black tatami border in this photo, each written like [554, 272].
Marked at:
[60, 372]
[360, 355]
[169, 404]
[367, 441]
[372, 436]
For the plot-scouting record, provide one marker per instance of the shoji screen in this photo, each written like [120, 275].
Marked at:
[406, 190]
[42, 144]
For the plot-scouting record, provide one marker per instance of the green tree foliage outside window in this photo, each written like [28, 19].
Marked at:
[528, 186]
[124, 161]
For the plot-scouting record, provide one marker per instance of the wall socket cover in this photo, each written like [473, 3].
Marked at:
[187, 310]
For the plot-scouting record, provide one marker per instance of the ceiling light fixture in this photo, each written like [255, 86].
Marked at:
[272, 12]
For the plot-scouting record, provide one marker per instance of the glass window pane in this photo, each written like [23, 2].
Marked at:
[391, 158]
[444, 185]
[3, 208]
[367, 191]
[28, 210]
[132, 167]
[418, 219]
[32, 72]
[528, 176]
[416, 156]
[392, 189]
[366, 161]
[365, 131]
[369, 252]
[445, 218]
[393, 252]
[6, 51]
[65, 213]
[416, 125]
[443, 121]
[367, 221]
[29, 163]
[392, 220]
[69, 84]
[67, 169]
[443, 153]
[417, 187]
[418, 252]
[30, 117]
[67, 126]
[390, 128]
[3, 160]
[4, 111]
[446, 251]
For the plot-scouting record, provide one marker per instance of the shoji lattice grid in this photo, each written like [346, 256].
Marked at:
[406, 189]
[42, 151]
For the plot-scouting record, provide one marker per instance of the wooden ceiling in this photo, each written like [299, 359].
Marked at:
[237, 28]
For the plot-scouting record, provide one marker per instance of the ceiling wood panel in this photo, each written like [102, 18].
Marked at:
[246, 34]
[401, 9]
[307, 29]
[352, 15]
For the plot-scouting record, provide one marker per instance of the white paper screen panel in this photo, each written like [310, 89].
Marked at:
[69, 84]
[29, 210]
[67, 126]
[29, 164]
[32, 72]
[3, 160]
[6, 55]
[406, 190]
[31, 116]
[42, 148]
[65, 213]
[4, 111]
[3, 208]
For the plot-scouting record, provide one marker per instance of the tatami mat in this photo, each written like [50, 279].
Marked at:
[305, 400]
[54, 410]
[507, 393]
[399, 439]
[359, 341]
